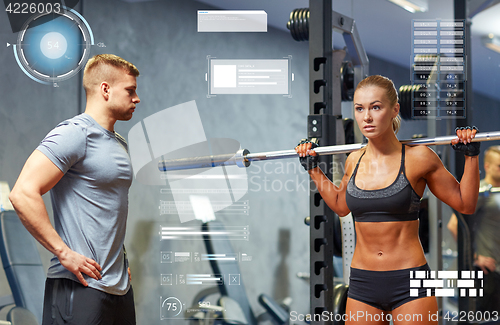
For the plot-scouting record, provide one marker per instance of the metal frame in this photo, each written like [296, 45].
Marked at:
[461, 11]
[325, 110]
[347, 26]
[321, 108]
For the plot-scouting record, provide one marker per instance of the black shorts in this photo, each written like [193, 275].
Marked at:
[385, 290]
[70, 303]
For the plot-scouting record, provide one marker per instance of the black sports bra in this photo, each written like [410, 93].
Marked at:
[396, 202]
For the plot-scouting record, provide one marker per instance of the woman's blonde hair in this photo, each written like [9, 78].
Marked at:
[390, 91]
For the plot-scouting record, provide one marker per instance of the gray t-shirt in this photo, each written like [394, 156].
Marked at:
[90, 202]
[488, 212]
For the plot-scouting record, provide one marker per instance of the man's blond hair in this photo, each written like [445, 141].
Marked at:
[102, 67]
[489, 153]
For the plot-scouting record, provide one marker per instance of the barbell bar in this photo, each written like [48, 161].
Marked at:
[243, 157]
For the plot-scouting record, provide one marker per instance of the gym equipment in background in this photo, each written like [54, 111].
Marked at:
[24, 270]
[233, 306]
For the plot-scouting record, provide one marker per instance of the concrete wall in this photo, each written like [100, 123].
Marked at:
[160, 38]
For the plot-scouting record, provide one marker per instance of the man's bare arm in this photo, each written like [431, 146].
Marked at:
[37, 177]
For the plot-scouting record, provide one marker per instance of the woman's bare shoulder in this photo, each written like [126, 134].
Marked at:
[352, 160]
[421, 156]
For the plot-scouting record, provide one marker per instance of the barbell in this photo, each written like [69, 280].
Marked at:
[243, 157]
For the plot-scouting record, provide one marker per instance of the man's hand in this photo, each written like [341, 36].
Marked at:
[487, 264]
[129, 275]
[78, 264]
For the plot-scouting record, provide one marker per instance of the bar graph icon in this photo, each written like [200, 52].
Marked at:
[205, 279]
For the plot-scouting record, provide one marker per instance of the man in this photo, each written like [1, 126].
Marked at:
[486, 224]
[86, 166]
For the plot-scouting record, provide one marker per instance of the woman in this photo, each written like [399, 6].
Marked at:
[382, 187]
